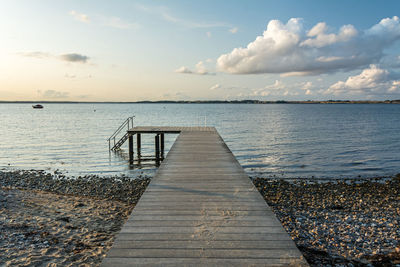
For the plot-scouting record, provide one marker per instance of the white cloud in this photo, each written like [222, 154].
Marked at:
[233, 30]
[183, 69]
[328, 59]
[35, 54]
[199, 69]
[371, 81]
[290, 50]
[165, 13]
[52, 94]
[307, 86]
[215, 86]
[74, 57]
[119, 23]
[79, 16]
[70, 57]
[277, 85]
[320, 37]
[277, 88]
[114, 22]
[395, 87]
[308, 92]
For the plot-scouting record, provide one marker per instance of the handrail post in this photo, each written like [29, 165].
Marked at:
[128, 123]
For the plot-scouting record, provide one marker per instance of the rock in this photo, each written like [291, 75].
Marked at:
[349, 221]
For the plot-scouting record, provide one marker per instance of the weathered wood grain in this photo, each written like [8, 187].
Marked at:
[201, 209]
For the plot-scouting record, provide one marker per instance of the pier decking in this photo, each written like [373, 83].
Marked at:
[201, 209]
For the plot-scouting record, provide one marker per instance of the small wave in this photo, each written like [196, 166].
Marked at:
[372, 169]
[349, 164]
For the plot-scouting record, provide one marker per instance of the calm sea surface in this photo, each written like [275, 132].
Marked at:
[283, 140]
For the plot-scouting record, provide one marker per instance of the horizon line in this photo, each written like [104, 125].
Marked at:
[246, 101]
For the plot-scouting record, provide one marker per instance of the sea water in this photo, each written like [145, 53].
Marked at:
[269, 140]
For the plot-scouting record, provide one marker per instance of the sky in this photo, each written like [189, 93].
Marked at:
[76, 50]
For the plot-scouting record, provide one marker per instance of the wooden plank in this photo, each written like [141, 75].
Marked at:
[203, 230]
[199, 244]
[200, 223]
[204, 217]
[201, 209]
[206, 253]
[248, 214]
[200, 262]
[191, 237]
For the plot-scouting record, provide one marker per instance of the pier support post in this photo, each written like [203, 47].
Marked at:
[130, 149]
[157, 148]
[138, 144]
[162, 146]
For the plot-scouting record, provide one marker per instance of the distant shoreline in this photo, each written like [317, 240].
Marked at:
[397, 101]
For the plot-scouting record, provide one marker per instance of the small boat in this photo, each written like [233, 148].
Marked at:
[37, 106]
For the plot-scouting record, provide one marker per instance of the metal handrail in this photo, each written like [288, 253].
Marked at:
[128, 121]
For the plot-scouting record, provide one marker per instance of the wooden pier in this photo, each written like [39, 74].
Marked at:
[201, 209]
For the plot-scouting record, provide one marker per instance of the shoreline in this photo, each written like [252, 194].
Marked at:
[120, 188]
[46, 218]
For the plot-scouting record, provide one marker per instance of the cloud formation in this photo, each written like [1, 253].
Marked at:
[183, 69]
[35, 54]
[307, 86]
[74, 57]
[114, 22]
[290, 50]
[277, 88]
[199, 69]
[79, 16]
[71, 57]
[215, 87]
[53, 94]
[371, 81]
[165, 14]
[118, 23]
[233, 30]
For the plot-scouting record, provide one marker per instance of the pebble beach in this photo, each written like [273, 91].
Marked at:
[352, 222]
[48, 219]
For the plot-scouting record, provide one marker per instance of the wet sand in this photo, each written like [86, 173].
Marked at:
[47, 220]
[40, 228]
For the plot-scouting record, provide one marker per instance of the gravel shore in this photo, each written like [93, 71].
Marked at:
[339, 223]
[120, 188]
[48, 220]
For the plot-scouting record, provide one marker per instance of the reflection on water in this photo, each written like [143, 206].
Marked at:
[282, 140]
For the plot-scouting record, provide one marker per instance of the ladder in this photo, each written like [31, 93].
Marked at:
[113, 142]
